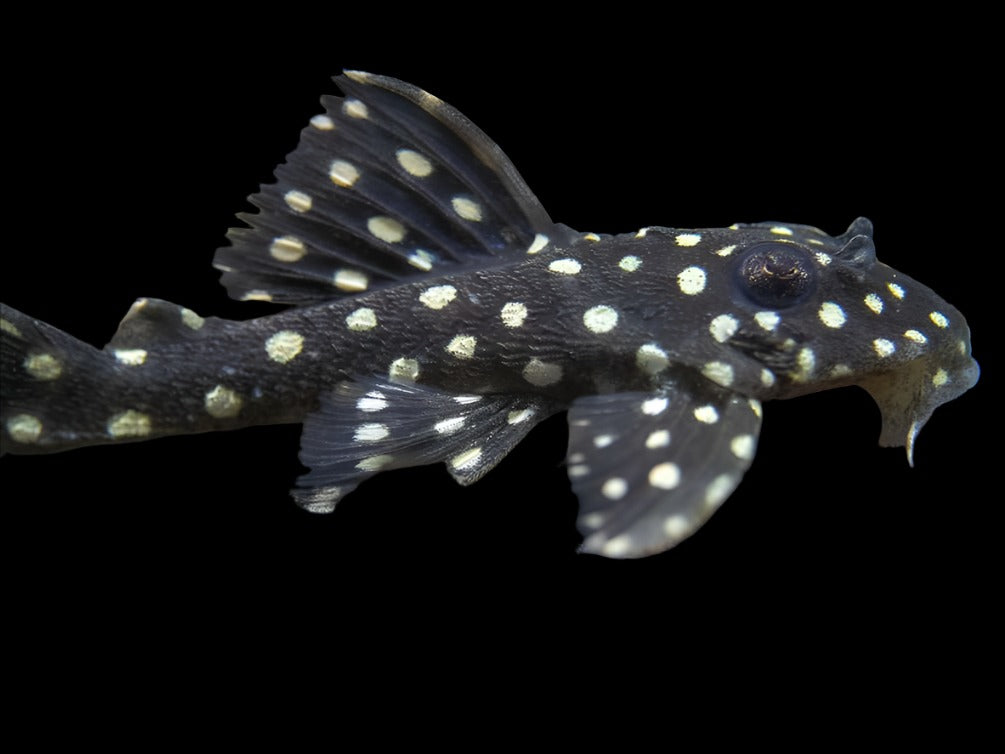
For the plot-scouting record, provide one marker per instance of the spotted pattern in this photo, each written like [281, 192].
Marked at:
[614, 488]
[191, 320]
[449, 426]
[916, 337]
[387, 229]
[822, 259]
[677, 526]
[651, 359]
[883, 347]
[940, 378]
[939, 319]
[688, 239]
[767, 377]
[371, 432]
[9, 327]
[565, 266]
[600, 319]
[719, 489]
[413, 163]
[352, 281]
[322, 123]
[438, 296]
[374, 463]
[466, 460]
[725, 251]
[723, 327]
[832, 315]
[43, 366]
[519, 416]
[421, 259]
[343, 173]
[462, 346]
[24, 428]
[767, 320]
[403, 370]
[706, 414]
[742, 446]
[655, 406]
[223, 403]
[630, 263]
[132, 357]
[781, 230]
[806, 364]
[372, 402]
[718, 372]
[658, 439]
[468, 209]
[284, 346]
[541, 373]
[128, 424]
[513, 314]
[361, 319]
[539, 242]
[691, 280]
[355, 109]
[665, 476]
[896, 291]
[874, 303]
[287, 249]
[298, 201]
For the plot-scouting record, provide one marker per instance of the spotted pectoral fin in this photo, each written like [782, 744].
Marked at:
[388, 183]
[368, 426]
[649, 469]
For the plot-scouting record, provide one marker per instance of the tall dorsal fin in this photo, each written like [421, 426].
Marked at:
[388, 183]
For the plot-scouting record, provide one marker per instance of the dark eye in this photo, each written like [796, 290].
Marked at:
[777, 274]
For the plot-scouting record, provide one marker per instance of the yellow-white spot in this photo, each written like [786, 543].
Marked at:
[372, 402]
[403, 370]
[355, 109]
[373, 432]
[594, 520]
[767, 378]
[940, 378]
[44, 366]
[539, 242]
[676, 526]
[600, 319]
[840, 370]
[717, 492]
[781, 230]
[467, 209]
[284, 346]
[467, 400]
[822, 259]
[414, 163]
[191, 320]
[322, 123]
[806, 363]
[725, 251]
[602, 441]
[917, 337]
[832, 314]
[298, 201]
[691, 280]
[767, 320]
[361, 319]
[939, 319]
[565, 266]
[374, 463]
[883, 347]
[513, 314]
[421, 259]
[24, 428]
[655, 406]
[128, 424]
[352, 281]
[658, 439]
[817, 242]
[665, 476]
[462, 346]
[132, 357]
[287, 249]
[466, 460]
[385, 228]
[9, 328]
[718, 372]
[688, 239]
[614, 488]
[256, 294]
[641, 232]
[438, 296]
[591, 237]
[522, 415]
[222, 403]
[630, 263]
[755, 406]
[343, 173]
[723, 327]
[651, 359]
[617, 547]
[895, 290]
[742, 446]
[541, 373]
[706, 414]
[578, 470]
[874, 302]
[447, 426]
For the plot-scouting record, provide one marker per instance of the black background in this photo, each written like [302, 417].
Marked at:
[132, 152]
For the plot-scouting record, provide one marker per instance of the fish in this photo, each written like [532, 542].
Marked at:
[437, 314]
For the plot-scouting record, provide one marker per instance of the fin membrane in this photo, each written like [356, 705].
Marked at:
[390, 182]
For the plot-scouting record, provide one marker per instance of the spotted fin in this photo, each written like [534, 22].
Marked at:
[368, 426]
[389, 182]
[151, 321]
[650, 468]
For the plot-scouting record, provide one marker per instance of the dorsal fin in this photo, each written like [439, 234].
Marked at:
[388, 183]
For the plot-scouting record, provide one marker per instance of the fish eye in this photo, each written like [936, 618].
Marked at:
[777, 274]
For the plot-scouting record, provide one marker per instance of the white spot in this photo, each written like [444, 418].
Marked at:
[591, 237]
[361, 319]
[256, 295]
[676, 526]
[724, 327]
[614, 488]
[651, 359]
[594, 520]
[688, 239]
[630, 263]
[513, 314]
[602, 441]
[578, 470]
[385, 228]
[940, 378]
[718, 372]
[403, 370]
[191, 320]
[615, 548]
[822, 259]
[438, 296]
[132, 357]
[516, 417]
[298, 201]
[24, 428]
[895, 290]
[287, 249]
[916, 336]
[781, 230]
[565, 266]
[462, 346]
[883, 347]
[665, 476]
[725, 251]
[284, 346]
[706, 414]
[540, 373]
[806, 361]
[717, 492]
[322, 123]
[8, 327]
[467, 400]
[767, 378]
[374, 432]
[577, 458]
[128, 424]
[222, 403]
[539, 242]
[414, 163]
[466, 460]
[447, 426]
[658, 439]
[467, 209]
[691, 280]
[45, 366]
[840, 370]
[818, 242]
[755, 406]
[374, 463]
[421, 259]
[874, 302]
[600, 319]
[655, 406]
[371, 402]
[355, 109]
[742, 447]
[641, 233]
[343, 173]
[939, 319]
[767, 320]
[832, 314]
